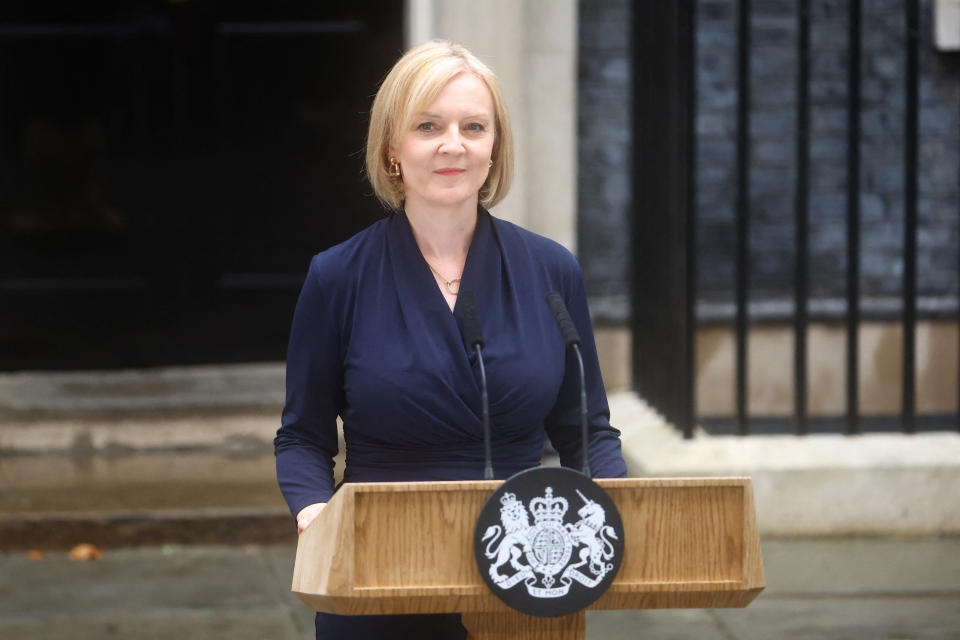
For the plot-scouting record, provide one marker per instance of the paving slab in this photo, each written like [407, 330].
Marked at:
[672, 624]
[256, 623]
[137, 579]
[838, 618]
[153, 592]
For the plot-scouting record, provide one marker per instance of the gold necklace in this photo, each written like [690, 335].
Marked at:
[449, 283]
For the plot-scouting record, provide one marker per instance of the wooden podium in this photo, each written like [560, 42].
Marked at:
[407, 547]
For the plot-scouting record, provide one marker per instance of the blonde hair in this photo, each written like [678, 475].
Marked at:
[412, 85]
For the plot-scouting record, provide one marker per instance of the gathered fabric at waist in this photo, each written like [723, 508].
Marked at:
[379, 462]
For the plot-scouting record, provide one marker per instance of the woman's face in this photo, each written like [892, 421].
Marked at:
[445, 154]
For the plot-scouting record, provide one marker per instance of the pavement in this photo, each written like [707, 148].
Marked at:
[823, 589]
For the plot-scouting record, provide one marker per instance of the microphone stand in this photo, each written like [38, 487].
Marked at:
[572, 339]
[474, 335]
[485, 403]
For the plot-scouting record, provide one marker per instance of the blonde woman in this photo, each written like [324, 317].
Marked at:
[376, 336]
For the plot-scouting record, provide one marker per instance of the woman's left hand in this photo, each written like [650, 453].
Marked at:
[307, 514]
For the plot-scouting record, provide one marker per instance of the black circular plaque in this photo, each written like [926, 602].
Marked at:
[549, 541]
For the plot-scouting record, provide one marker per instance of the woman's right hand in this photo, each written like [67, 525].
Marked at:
[307, 514]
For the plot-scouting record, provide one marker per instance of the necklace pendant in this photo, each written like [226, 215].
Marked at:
[453, 286]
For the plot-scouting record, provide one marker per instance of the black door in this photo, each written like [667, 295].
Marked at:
[167, 168]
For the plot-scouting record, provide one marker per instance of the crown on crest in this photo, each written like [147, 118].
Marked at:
[548, 508]
[508, 499]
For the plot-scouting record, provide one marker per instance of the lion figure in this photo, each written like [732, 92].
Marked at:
[516, 524]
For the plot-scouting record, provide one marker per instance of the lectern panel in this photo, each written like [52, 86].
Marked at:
[416, 538]
[683, 533]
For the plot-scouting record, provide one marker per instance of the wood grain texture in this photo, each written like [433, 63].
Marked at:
[325, 551]
[408, 547]
[430, 552]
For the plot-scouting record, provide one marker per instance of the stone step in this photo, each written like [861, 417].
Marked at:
[55, 501]
[141, 457]
[117, 529]
[34, 484]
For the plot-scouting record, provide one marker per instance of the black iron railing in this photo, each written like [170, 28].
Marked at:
[673, 391]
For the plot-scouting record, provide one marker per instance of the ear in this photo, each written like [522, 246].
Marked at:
[391, 152]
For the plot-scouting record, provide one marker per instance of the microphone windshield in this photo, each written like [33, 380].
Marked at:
[471, 321]
[567, 328]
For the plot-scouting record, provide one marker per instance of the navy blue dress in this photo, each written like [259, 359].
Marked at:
[373, 341]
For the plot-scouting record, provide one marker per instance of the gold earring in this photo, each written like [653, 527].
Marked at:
[394, 168]
[490, 164]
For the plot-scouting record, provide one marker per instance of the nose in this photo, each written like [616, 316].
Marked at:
[452, 141]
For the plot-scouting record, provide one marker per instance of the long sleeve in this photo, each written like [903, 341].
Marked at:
[307, 439]
[563, 422]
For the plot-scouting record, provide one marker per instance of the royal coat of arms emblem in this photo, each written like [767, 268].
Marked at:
[548, 545]
[548, 557]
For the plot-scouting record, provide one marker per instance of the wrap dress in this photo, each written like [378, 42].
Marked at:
[374, 342]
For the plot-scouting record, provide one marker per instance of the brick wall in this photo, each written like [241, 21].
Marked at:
[604, 133]
[603, 122]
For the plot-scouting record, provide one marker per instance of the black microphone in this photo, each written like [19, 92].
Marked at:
[474, 337]
[471, 321]
[572, 339]
[567, 328]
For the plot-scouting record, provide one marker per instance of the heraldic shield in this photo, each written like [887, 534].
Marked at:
[565, 558]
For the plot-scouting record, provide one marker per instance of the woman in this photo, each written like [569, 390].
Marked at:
[376, 336]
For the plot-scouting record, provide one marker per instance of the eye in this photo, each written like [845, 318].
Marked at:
[425, 126]
[476, 127]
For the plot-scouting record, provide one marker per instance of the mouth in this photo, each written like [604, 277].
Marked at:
[450, 172]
